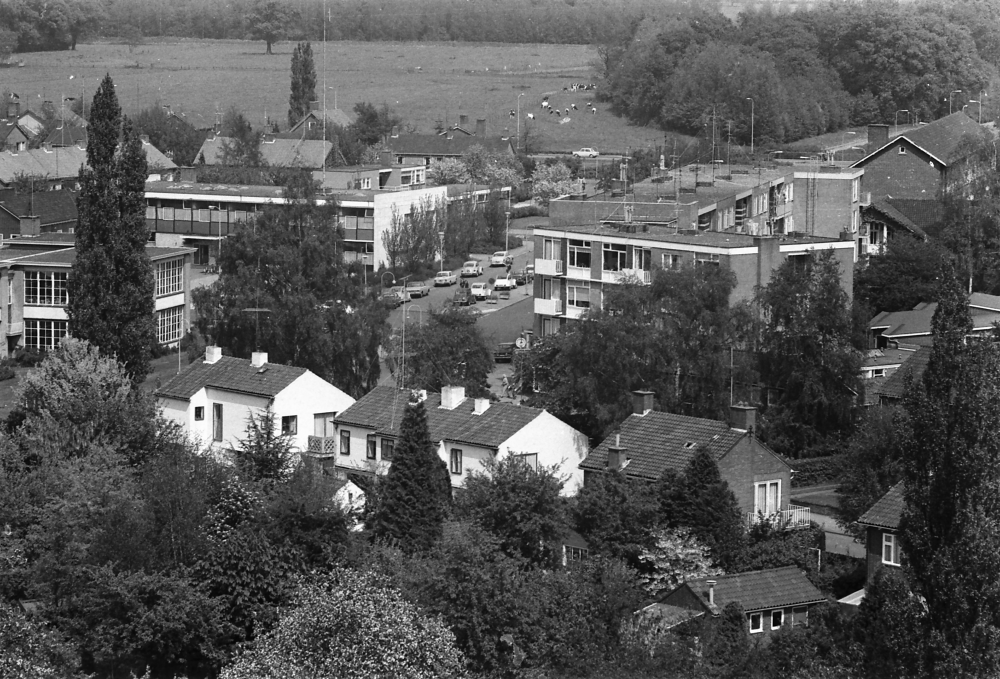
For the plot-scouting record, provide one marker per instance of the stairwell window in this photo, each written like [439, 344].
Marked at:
[456, 460]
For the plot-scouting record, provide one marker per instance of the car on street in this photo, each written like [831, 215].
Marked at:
[394, 297]
[525, 275]
[471, 269]
[445, 278]
[504, 352]
[500, 258]
[463, 297]
[418, 289]
[586, 152]
[480, 291]
[506, 282]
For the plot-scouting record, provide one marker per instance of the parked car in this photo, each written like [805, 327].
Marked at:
[463, 297]
[525, 275]
[500, 258]
[504, 352]
[586, 152]
[394, 297]
[479, 290]
[506, 282]
[445, 278]
[471, 269]
[418, 289]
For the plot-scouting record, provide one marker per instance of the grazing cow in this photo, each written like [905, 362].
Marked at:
[551, 111]
[531, 115]
[575, 108]
[594, 111]
[566, 112]
[589, 105]
[545, 103]
[512, 114]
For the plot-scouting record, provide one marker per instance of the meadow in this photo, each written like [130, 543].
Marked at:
[423, 82]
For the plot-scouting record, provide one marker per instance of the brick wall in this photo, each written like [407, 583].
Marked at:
[749, 463]
[908, 175]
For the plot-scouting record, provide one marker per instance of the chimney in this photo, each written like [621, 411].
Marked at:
[314, 105]
[742, 417]
[451, 397]
[481, 406]
[395, 131]
[878, 136]
[642, 402]
[258, 359]
[13, 109]
[463, 120]
[30, 225]
[711, 592]
[616, 454]
[481, 127]
[47, 147]
[385, 157]
[212, 354]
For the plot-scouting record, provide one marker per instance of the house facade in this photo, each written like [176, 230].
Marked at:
[881, 524]
[466, 432]
[650, 443]
[213, 399]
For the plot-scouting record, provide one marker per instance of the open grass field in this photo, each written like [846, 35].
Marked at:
[423, 82]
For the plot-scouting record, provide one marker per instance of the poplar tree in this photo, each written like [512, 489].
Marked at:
[111, 286]
[417, 489]
[303, 83]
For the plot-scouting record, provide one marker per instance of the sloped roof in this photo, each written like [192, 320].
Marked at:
[759, 590]
[917, 321]
[66, 134]
[657, 441]
[911, 372]
[887, 512]
[6, 128]
[924, 213]
[63, 162]
[943, 139]
[441, 145]
[980, 300]
[193, 118]
[668, 616]
[382, 408]
[276, 152]
[888, 211]
[331, 115]
[231, 374]
[51, 207]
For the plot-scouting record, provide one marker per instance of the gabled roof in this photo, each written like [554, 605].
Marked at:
[193, 118]
[887, 512]
[63, 163]
[441, 145]
[758, 590]
[51, 207]
[309, 153]
[917, 321]
[942, 139]
[231, 374]
[382, 408]
[889, 211]
[911, 372]
[331, 115]
[927, 214]
[657, 441]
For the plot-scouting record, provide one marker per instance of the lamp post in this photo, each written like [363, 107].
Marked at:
[507, 236]
[441, 236]
[750, 99]
[420, 315]
[978, 101]
[895, 121]
[364, 269]
[519, 120]
[951, 99]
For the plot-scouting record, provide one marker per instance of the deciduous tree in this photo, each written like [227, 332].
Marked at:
[617, 515]
[303, 83]
[447, 350]
[268, 20]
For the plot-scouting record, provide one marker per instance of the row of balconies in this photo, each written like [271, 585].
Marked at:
[556, 267]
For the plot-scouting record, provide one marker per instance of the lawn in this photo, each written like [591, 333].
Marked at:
[424, 82]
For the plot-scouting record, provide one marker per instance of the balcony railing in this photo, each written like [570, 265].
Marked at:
[322, 445]
[631, 275]
[575, 312]
[793, 517]
[549, 307]
[549, 267]
[577, 272]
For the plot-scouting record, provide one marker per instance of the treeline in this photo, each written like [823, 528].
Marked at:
[807, 72]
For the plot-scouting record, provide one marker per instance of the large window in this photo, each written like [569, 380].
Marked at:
[579, 254]
[216, 421]
[614, 256]
[43, 334]
[170, 324]
[44, 288]
[756, 622]
[578, 295]
[170, 277]
[672, 262]
[456, 460]
[388, 447]
[345, 442]
[767, 497]
[705, 259]
[890, 549]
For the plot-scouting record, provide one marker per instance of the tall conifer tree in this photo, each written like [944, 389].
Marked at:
[303, 83]
[111, 287]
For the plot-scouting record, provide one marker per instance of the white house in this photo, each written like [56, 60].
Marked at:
[213, 398]
[467, 433]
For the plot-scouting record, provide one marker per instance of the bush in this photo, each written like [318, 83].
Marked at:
[6, 371]
[26, 357]
[529, 211]
[816, 470]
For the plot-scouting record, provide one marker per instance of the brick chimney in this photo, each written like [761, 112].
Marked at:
[878, 136]
[742, 417]
[642, 402]
[616, 454]
[212, 354]
[258, 359]
[385, 157]
[481, 127]
[452, 397]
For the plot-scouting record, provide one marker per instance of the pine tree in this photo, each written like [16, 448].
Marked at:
[111, 287]
[416, 491]
[303, 83]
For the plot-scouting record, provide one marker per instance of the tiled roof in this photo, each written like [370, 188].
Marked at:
[52, 207]
[980, 300]
[759, 590]
[887, 512]
[309, 153]
[62, 162]
[888, 211]
[917, 321]
[382, 408]
[333, 115]
[440, 145]
[943, 138]
[911, 372]
[924, 213]
[194, 119]
[231, 374]
[656, 442]
[66, 134]
[668, 616]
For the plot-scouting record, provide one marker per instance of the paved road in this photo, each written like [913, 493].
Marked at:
[823, 501]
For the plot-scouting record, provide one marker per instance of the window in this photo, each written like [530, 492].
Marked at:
[890, 549]
[642, 258]
[855, 189]
[199, 413]
[388, 446]
[550, 326]
[902, 150]
[789, 192]
[43, 335]
[530, 459]
[170, 324]
[289, 425]
[855, 218]
[704, 259]
[614, 257]
[44, 288]
[579, 254]
[345, 443]
[578, 295]
[576, 554]
[370, 447]
[216, 421]
[756, 622]
[169, 277]
[671, 262]
[366, 183]
[777, 617]
[767, 497]
[548, 248]
[800, 263]
[878, 372]
[800, 617]
[456, 460]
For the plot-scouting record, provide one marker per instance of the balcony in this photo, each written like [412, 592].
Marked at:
[322, 445]
[576, 312]
[581, 273]
[549, 267]
[786, 519]
[632, 275]
[15, 328]
[548, 307]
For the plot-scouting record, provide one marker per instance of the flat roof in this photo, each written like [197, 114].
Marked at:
[715, 239]
[215, 189]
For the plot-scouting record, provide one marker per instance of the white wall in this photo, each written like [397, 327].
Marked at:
[358, 460]
[473, 460]
[403, 201]
[556, 444]
[307, 396]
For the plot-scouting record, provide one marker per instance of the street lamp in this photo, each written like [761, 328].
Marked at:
[364, 268]
[420, 315]
[507, 237]
[951, 99]
[750, 99]
[519, 120]
[895, 121]
[977, 101]
[441, 236]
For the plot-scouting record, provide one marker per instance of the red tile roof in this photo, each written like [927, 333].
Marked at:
[759, 590]
[887, 512]
[231, 374]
